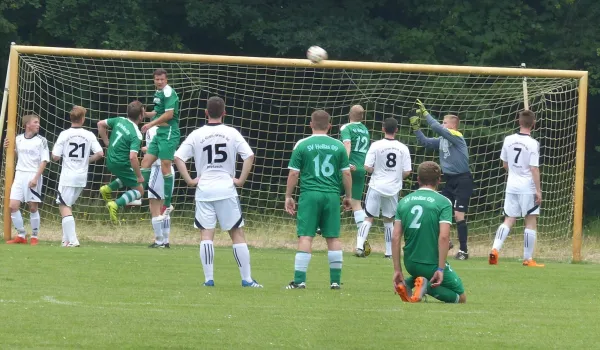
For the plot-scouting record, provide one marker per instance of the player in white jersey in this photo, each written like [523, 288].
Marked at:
[521, 157]
[389, 163]
[32, 157]
[161, 225]
[74, 146]
[214, 148]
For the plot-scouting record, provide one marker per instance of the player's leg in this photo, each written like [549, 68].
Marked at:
[307, 220]
[206, 220]
[167, 218]
[66, 197]
[512, 210]
[451, 290]
[462, 196]
[33, 198]
[155, 198]
[166, 154]
[372, 209]
[330, 223]
[388, 211]
[135, 192]
[149, 158]
[528, 201]
[358, 186]
[17, 196]
[448, 193]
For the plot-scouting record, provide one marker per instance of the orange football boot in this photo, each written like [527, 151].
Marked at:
[17, 240]
[532, 263]
[420, 289]
[403, 292]
[493, 259]
[34, 241]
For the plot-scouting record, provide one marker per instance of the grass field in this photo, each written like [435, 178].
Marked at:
[127, 296]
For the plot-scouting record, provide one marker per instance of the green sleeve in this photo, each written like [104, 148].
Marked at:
[296, 160]
[136, 143]
[446, 212]
[111, 122]
[171, 101]
[344, 161]
[345, 134]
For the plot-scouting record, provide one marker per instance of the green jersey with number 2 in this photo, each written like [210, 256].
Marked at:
[125, 137]
[359, 138]
[320, 160]
[421, 213]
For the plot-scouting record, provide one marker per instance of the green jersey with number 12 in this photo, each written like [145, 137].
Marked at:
[421, 213]
[320, 160]
[125, 137]
[359, 138]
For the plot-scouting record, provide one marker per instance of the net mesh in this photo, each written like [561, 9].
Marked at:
[270, 105]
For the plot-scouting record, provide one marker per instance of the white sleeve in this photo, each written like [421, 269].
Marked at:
[242, 147]
[58, 148]
[407, 162]
[45, 154]
[534, 157]
[96, 146]
[186, 150]
[503, 154]
[370, 158]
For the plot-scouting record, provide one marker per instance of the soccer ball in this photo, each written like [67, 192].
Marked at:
[367, 248]
[316, 54]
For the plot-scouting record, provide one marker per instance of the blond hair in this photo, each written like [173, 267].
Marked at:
[77, 114]
[29, 117]
[453, 118]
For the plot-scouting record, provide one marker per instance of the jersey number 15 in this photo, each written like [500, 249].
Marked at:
[216, 153]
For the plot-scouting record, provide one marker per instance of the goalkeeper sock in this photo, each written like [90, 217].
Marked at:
[529, 243]
[501, 235]
[207, 256]
[146, 176]
[157, 226]
[166, 231]
[168, 187]
[463, 232]
[115, 185]
[242, 257]
[128, 197]
[68, 226]
[17, 220]
[442, 294]
[301, 266]
[388, 228]
[363, 233]
[359, 217]
[335, 266]
[34, 220]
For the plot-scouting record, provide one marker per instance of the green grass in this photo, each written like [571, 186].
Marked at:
[121, 296]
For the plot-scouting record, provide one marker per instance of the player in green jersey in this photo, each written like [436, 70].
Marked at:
[166, 141]
[424, 218]
[356, 139]
[122, 157]
[322, 165]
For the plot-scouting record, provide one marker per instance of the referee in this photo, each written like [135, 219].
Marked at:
[454, 159]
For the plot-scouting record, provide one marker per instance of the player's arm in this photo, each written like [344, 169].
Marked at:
[97, 151]
[370, 160]
[57, 150]
[103, 131]
[170, 104]
[183, 153]
[43, 162]
[149, 114]
[396, 252]
[245, 152]
[133, 157]
[427, 142]
[292, 180]
[504, 156]
[407, 164]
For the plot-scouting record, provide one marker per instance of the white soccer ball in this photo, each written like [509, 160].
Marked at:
[316, 54]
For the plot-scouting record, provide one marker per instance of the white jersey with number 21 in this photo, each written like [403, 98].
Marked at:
[74, 146]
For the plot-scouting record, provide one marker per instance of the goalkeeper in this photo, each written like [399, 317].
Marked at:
[454, 159]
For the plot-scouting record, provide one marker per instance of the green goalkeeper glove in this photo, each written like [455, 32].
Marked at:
[415, 123]
[421, 110]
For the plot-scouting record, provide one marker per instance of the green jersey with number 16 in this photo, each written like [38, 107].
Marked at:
[320, 160]
[125, 137]
[359, 138]
[421, 213]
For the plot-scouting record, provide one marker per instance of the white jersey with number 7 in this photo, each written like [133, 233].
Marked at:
[520, 152]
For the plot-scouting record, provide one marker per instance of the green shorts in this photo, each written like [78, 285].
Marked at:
[164, 145]
[318, 210]
[358, 184]
[451, 279]
[123, 173]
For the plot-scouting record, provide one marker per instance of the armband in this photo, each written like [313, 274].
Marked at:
[440, 269]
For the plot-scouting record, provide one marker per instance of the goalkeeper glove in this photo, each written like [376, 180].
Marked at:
[421, 110]
[415, 123]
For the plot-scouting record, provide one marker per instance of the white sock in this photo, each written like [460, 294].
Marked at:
[34, 219]
[166, 230]
[242, 257]
[359, 217]
[501, 235]
[207, 256]
[388, 228]
[17, 221]
[363, 233]
[68, 225]
[529, 243]
[157, 226]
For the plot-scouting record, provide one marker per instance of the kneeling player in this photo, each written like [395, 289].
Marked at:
[521, 157]
[73, 146]
[424, 217]
[214, 148]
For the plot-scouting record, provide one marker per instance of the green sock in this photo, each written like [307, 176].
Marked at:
[301, 266]
[168, 187]
[115, 185]
[128, 197]
[335, 266]
[442, 294]
[410, 282]
[146, 176]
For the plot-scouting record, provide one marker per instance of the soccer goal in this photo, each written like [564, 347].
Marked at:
[269, 99]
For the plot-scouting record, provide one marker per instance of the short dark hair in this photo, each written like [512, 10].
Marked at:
[526, 119]
[160, 71]
[320, 120]
[390, 125]
[429, 173]
[77, 114]
[215, 107]
[134, 110]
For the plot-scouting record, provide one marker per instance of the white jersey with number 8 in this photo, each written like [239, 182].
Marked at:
[520, 152]
[389, 158]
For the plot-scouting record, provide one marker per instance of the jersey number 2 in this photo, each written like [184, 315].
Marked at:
[417, 211]
[75, 148]
[217, 152]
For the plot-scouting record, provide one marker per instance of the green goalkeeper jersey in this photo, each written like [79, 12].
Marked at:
[359, 138]
[166, 100]
[320, 160]
[125, 137]
[421, 213]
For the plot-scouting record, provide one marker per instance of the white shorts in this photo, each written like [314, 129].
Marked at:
[20, 188]
[67, 195]
[520, 205]
[156, 189]
[376, 202]
[227, 211]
